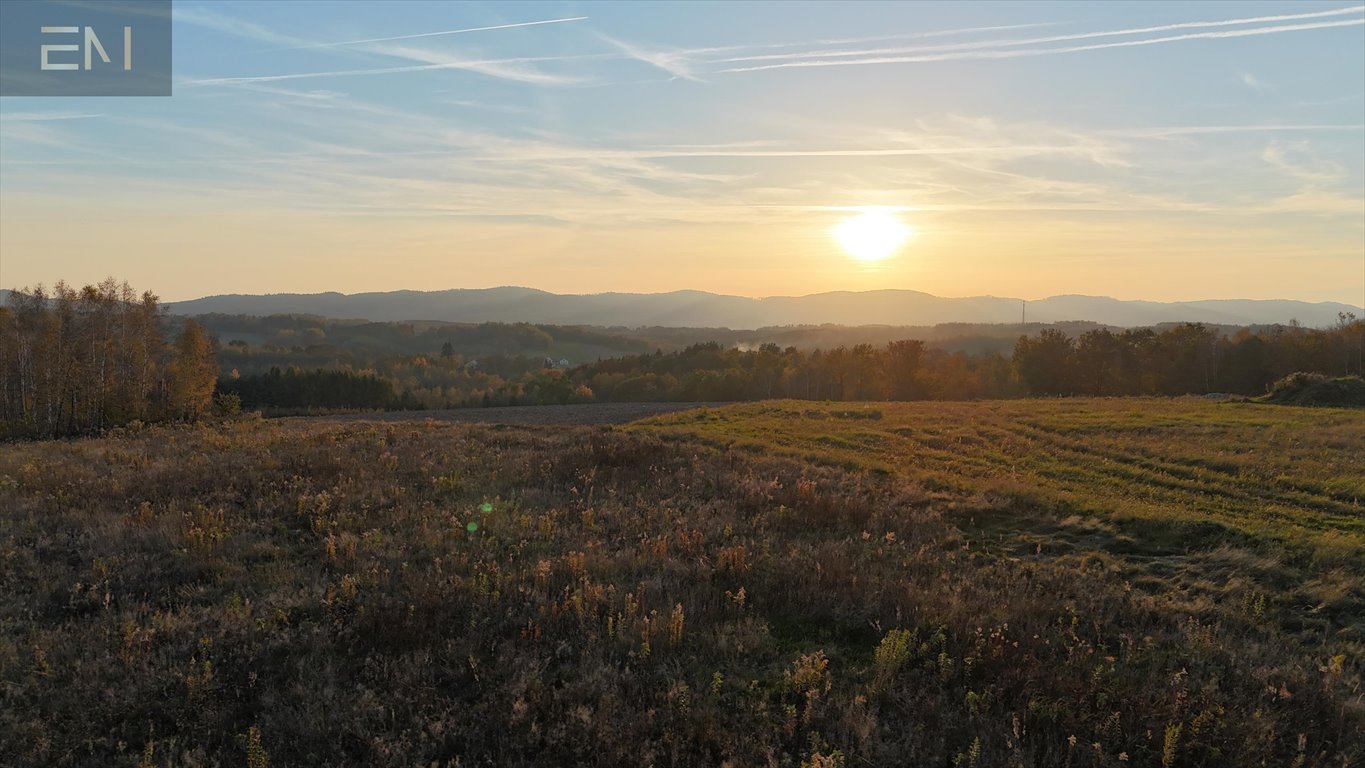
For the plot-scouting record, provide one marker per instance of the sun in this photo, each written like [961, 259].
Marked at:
[872, 235]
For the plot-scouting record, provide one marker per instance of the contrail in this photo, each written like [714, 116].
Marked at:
[1011, 54]
[491, 67]
[1050, 39]
[436, 34]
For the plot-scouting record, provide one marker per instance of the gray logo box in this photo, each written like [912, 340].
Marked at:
[75, 48]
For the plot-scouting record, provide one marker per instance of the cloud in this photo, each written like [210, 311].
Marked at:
[694, 151]
[1299, 161]
[1038, 40]
[203, 17]
[1255, 83]
[519, 69]
[486, 106]
[1320, 202]
[313, 95]
[677, 64]
[1194, 130]
[34, 117]
[1329, 102]
[508, 69]
[46, 131]
[674, 63]
[512, 68]
[1005, 50]
[443, 32]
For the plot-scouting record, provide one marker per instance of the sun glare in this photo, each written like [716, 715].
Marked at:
[872, 235]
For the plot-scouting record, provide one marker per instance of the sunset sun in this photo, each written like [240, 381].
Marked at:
[871, 235]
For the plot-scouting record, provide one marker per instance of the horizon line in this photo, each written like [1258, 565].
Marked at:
[759, 298]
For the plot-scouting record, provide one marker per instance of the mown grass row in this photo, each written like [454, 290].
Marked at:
[1148, 482]
[1289, 474]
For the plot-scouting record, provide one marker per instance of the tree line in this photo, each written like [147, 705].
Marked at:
[294, 388]
[1188, 359]
[78, 361]
[311, 342]
[1185, 359]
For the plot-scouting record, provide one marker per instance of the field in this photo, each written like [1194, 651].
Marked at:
[1165, 471]
[542, 415]
[1024, 583]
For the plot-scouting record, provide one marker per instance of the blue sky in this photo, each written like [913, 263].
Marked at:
[1141, 150]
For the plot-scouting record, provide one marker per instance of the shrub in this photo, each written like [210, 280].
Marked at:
[227, 405]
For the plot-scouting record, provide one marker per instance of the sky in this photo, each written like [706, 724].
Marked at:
[1164, 151]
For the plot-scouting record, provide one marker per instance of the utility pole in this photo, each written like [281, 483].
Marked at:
[1023, 312]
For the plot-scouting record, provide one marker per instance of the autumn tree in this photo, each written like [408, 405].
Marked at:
[903, 362]
[1099, 362]
[191, 375]
[1045, 363]
[80, 361]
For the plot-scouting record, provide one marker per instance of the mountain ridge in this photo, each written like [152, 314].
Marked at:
[702, 308]
[693, 308]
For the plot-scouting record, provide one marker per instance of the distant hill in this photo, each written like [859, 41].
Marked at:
[701, 309]
[698, 309]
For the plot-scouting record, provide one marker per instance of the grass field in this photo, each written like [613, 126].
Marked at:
[1296, 475]
[541, 415]
[1069, 583]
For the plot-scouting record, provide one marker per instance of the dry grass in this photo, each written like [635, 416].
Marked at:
[315, 594]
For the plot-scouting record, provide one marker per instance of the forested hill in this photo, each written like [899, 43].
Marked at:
[311, 340]
[701, 309]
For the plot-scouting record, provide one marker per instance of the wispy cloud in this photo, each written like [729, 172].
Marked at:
[1194, 130]
[1320, 202]
[1330, 102]
[312, 95]
[203, 17]
[376, 159]
[33, 117]
[441, 33]
[870, 38]
[520, 69]
[674, 63]
[567, 152]
[48, 132]
[680, 63]
[486, 106]
[505, 68]
[1255, 83]
[979, 44]
[1005, 49]
[1299, 161]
